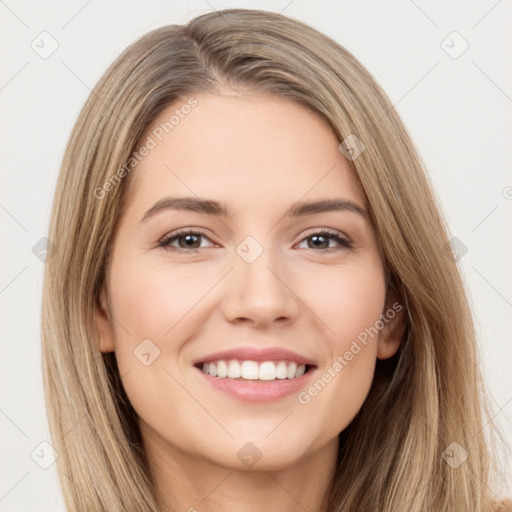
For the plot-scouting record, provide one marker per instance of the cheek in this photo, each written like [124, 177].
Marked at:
[349, 302]
[154, 311]
[151, 300]
[157, 309]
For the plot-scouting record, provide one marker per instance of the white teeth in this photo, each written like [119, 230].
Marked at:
[267, 371]
[292, 370]
[281, 370]
[234, 370]
[251, 370]
[222, 369]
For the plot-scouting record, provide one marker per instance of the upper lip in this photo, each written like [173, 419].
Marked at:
[256, 354]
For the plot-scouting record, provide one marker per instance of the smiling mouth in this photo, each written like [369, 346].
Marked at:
[264, 371]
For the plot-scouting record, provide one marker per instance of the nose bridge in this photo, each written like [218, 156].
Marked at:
[259, 289]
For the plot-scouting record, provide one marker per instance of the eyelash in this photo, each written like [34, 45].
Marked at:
[344, 242]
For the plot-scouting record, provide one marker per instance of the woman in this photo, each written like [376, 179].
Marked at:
[253, 303]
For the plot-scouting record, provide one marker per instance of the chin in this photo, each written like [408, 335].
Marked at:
[260, 454]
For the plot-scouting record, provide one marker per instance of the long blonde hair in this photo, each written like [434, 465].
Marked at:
[427, 396]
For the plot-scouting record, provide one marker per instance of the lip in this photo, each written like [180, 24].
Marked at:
[258, 391]
[257, 354]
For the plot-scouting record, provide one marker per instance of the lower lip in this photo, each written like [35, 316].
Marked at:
[258, 390]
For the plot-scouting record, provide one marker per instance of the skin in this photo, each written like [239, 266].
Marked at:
[259, 154]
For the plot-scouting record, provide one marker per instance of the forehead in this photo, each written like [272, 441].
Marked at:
[243, 149]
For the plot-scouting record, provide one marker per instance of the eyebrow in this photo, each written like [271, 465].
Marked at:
[211, 207]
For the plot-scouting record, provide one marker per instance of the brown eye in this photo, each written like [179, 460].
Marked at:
[187, 240]
[322, 239]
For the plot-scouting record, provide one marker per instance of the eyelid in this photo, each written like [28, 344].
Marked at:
[330, 231]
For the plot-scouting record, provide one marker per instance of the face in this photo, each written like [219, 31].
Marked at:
[186, 283]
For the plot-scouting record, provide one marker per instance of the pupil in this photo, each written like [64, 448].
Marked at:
[316, 238]
[189, 238]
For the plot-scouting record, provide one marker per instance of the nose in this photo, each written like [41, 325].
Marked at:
[261, 292]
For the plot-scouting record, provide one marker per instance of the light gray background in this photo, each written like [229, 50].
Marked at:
[458, 111]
